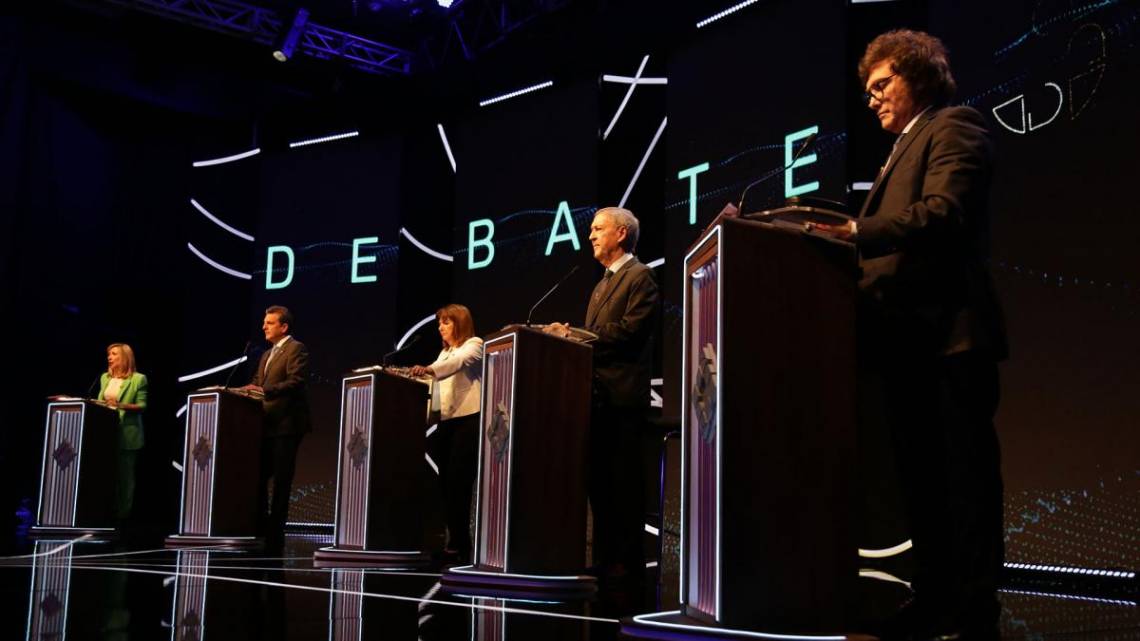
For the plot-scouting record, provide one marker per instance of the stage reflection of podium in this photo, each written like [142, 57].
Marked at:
[97, 598]
[768, 436]
[353, 615]
[531, 488]
[79, 470]
[221, 462]
[238, 609]
[380, 461]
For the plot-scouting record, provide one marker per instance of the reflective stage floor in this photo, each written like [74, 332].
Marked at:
[61, 590]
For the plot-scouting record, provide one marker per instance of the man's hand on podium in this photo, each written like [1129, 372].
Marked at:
[252, 388]
[561, 330]
[842, 232]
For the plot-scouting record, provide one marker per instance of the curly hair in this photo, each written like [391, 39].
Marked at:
[920, 58]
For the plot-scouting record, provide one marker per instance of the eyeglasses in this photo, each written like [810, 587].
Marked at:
[876, 90]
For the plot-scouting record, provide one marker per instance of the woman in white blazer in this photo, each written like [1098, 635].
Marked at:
[458, 371]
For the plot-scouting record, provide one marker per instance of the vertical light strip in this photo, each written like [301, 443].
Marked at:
[446, 147]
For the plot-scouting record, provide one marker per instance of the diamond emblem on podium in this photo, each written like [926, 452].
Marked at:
[357, 448]
[704, 393]
[64, 454]
[202, 453]
[51, 605]
[498, 435]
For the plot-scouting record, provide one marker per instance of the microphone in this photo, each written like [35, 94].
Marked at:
[411, 341]
[94, 384]
[808, 142]
[547, 294]
[234, 368]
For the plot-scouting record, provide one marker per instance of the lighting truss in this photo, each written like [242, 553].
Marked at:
[263, 25]
[472, 30]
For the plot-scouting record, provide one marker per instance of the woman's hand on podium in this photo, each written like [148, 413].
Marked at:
[561, 330]
[422, 370]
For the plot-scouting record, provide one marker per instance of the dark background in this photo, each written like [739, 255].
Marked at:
[103, 112]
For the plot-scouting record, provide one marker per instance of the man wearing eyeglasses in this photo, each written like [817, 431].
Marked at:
[932, 329]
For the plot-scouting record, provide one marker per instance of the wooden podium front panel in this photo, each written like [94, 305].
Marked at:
[59, 481]
[495, 437]
[198, 464]
[700, 454]
[354, 461]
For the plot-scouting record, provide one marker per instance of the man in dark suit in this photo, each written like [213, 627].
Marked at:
[281, 376]
[931, 327]
[621, 311]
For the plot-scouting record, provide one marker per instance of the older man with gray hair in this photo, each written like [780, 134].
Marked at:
[622, 311]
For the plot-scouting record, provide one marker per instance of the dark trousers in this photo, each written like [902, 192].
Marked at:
[616, 487]
[456, 451]
[278, 461]
[940, 412]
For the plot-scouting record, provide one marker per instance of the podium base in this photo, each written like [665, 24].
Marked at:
[226, 542]
[675, 626]
[469, 579]
[334, 557]
[56, 531]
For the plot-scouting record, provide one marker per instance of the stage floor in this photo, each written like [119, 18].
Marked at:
[58, 590]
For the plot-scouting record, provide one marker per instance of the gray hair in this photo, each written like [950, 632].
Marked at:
[624, 218]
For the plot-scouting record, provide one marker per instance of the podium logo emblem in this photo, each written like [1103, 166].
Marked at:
[202, 453]
[357, 448]
[704, 393]
[499, 433]
[51, 605]
[64, 454]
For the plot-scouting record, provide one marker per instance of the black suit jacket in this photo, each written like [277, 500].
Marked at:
[923, 240]
[286, 402]
[622, 312]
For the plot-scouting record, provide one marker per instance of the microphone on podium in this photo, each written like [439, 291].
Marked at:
[547, 294]
[808, 142]
[233, 369]
[411, 341]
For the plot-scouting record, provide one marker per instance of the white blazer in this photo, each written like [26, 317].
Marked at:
[459, 375]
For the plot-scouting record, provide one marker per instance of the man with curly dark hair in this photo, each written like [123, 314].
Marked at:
[932, 328]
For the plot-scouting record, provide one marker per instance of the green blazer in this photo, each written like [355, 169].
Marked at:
[130, 423]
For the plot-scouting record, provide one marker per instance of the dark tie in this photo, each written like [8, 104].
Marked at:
[272, 355]
[602, 284]
[891, 155]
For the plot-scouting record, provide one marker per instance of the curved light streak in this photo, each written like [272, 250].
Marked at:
[411, 331]
[225, 159]
[181, 411]
[885, 552]
[58, 548]
[446, 147]
[219, 223]
[657, 263]
[424, 248]
[216, 265]
[652, 621]
[212, 370]
[879, 575]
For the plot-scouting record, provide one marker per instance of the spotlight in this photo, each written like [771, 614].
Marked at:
[287, 40]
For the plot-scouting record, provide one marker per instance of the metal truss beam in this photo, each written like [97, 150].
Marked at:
[473, 30]
[263, 25]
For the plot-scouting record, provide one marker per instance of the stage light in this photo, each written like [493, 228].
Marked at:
[446, 4]
[287, 40]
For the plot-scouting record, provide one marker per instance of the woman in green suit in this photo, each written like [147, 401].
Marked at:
[124, 389]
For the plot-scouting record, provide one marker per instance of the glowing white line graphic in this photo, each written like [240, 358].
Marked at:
[515, 94]
[393, 597]
[650, 620]
[177, 465]
[181, 411]
[212, 370]
[216, 265]
[219, 223]
[434, 467]
[657, 381]
[446, 147]
[652, 530]
[729, 11]
[644, 159]
[862, 186]
[58, 548]
[411, 331]
[626, 80]
[656, 263]
[226, 159]
[885, 552]
[431, 430]
[424, 248]
[317, 141]
[628, 93]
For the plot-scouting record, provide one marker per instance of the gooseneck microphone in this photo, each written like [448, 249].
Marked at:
[94, 384]
[411, 341]
[239, 361]
[547, 294]
[808, 142]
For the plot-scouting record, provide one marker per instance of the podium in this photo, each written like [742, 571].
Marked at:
[379, 497]
[767, 541]
[531, 486]
[79, 470]
[221, 462]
